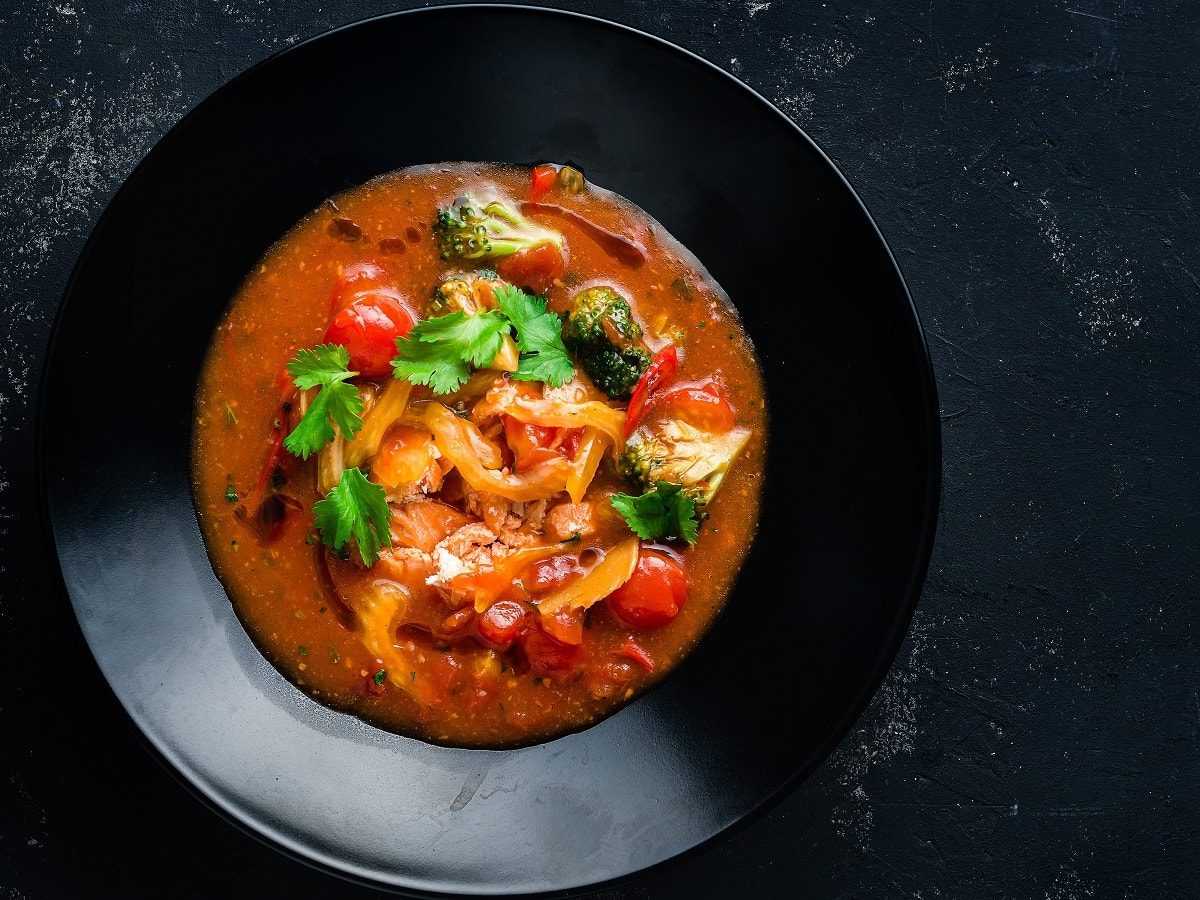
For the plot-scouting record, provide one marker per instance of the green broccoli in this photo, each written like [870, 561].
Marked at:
[679, 452]
[602, 335]
[466, 230]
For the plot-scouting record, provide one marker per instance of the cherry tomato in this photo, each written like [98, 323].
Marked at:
[705, 407]
[534, 268]
[541, 181]
[530, 444]
[356, 278]
[565, 626]
[547, 656]
[368, 328]
[501, 623]
[653, 595]
[548, 574]
[660, 371]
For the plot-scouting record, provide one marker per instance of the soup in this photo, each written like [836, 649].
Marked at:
[477, 452]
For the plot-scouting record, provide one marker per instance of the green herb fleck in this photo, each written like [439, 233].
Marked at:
[302, 650]
[379, 676]
[412, 676]
[230, 416]
[231, 494]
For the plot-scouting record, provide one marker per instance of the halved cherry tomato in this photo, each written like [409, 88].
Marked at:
[534, 268]
[704, 406]
[368, 328]
[565, 626]
[356, 278]
[653, 595]
[501, 623]
[530, 444]
[541, 181]
[546, 656]
[660, 371]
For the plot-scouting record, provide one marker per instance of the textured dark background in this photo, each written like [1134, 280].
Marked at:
[1033, 168]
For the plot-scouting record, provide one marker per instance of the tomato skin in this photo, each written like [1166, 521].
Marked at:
[548, 574]
[356, 278]
[530, 444]
[653, 595]
[535, 268]
[502, 623]
[635, 652]
[660, 371]
[704, 406]
[368, 328]
[565, 626]
[549, 657]
[541, 181]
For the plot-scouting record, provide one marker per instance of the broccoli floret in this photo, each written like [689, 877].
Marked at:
[602, 335]
[469, 230]
[682, 453]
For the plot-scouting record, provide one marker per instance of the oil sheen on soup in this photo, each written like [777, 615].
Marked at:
[477, 452]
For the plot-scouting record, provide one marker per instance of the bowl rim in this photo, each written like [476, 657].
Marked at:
[296, 850]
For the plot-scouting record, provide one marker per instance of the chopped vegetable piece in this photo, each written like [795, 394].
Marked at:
[675, 451]
[468, 230]
[664, 512]
[660, 372]
[606, 340]
[634, 651]
[704, 406]
[539, 337]
[534, 267]
[439, 352]
[541, 181]
[336, 402]
[606, 576]
[358, 508]
[653, 595]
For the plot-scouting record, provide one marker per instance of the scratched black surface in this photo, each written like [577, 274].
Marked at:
[1032, 167]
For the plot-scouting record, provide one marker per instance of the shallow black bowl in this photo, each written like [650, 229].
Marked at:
[851, 496]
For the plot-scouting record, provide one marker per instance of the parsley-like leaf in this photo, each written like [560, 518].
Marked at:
[665, 512]
[539, 337]
[439, 352]
[324, 367]
[358, 508]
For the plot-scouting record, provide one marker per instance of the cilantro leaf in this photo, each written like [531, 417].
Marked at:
[665, 512]
[358, 508]
[539, 337]
[439, 352]
[324, 367]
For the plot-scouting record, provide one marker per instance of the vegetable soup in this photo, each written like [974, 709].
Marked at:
[478, 452]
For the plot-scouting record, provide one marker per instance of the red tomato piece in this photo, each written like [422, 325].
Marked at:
[501, 623]
[634, 651]
[549, 657]
[653, 595]
[548, 574]
[535, 268]
[565, 626]
[704, 406]
[541, 181]
[356, 278]
[530, 444]
[368, 329]
[660, 371]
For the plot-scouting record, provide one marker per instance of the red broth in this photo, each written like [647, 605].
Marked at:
[381, 643]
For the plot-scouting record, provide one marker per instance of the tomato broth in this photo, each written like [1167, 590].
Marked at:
[484, 620]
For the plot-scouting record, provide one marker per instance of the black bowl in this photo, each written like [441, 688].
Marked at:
[850, 503]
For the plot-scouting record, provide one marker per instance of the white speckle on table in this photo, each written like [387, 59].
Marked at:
[1102, 287]
[1068, 885]
[735, 66]
[966, 71]
[755, 8]
[805, 68]
[888, 729]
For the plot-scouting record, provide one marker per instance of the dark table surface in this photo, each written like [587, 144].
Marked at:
[1033, 168]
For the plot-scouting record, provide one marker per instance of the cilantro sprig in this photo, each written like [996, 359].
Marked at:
[539, 337]
[356, 507]
[325, 367]
[439, 352]
[665, 512]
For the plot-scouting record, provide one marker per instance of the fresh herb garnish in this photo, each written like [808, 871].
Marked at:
[379, 676]
[539, 337]
[439, 352]
[325, 368]
[665, 512]
[355, 507]
[231, 494]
